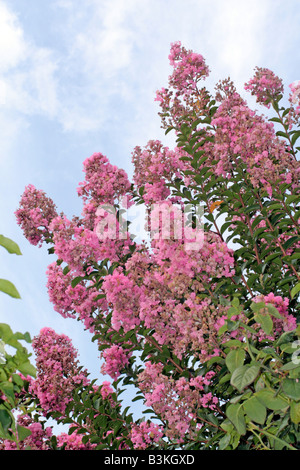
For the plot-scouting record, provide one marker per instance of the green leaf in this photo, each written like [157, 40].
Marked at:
[244, 376]
[295, 412]
[76, 281]
[282, 134]
[17, 380]
[8, 288]
[66, 270]
[290, 242]
[169, 130]
[265, 322]
[291, 388]
[27, 369]
[8, 389]
[224, 442]
[289, 366]
[255, 410]
[10, 245]
[295, 290]
[235, 359]
[273, 311]
[292, 198]
[235, 302]
[273, 256]
[252, 208]
[225, 227]
[5, 419]
[269, 399]
[5, 332]
[236, 415]
[295, 137]
[23, 432]
[274, 206]
[257, 306]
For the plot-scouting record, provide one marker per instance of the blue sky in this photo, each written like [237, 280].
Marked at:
[80, 77]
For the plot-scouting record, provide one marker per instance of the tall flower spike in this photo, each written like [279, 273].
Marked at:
[58, 371]
[265, 85]
[34, 215]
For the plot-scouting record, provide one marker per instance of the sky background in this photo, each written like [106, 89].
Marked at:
[80, 77]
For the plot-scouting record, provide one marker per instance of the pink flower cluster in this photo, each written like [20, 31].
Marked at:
[154, 167]
[295, 96]
[106, 390]
[287, 322]
[242, 138]
[183, 97]
[34, 215]
[145, 434]
[104, 183]
[58, 371]
[74, 243]
[116, 358]
[78, 246]
[123, 295]
[160, 290]
[73, 442]
[37, 440]
[265, 85]
[189, 68]
[176, 401]
[197, 323]
[68, 301]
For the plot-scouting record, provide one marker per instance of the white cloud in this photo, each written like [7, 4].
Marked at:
[12, 47]
[42, 78]
[113, 54]
[32, 89]
[27, 81]
[106, 44]
[238, 32]
[99, 66]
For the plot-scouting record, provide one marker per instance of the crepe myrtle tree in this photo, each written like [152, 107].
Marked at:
[201, 317]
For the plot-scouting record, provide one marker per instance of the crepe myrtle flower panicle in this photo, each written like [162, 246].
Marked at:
[106, 389]
[189, 67]
[123, 294]
[244, 138]
[116, 358]
[183, 96]
[154, 167]
[176, 401]
[71, 302]
[34, 215]
[266, 86]
[73, 442]
[74, 243]
[287, 322]
[295, 96]
[145, 434]
[103, 181]
[58, 370]
[37, 440]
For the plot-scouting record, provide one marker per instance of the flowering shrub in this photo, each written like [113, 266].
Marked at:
[206, 332]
